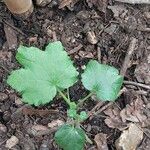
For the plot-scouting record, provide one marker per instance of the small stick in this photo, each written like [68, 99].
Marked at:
[104, 108]
[135, 1]
[137, 84]
[99, 54]
[76, 49]
[143, 29]
[128, 56]
[96, 107]
[13, 27]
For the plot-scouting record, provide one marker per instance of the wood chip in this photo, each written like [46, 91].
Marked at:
[38, 130]
[135, 1]
[3, 128]
[91, 37]
[3, 96]
[64, 3]
[12, 142]
[100, 140]
[10, 36]
[55, 123]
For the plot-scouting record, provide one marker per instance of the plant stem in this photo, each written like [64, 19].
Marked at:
[68, 95]
[84, 99]
[88, 139]
[64, 97]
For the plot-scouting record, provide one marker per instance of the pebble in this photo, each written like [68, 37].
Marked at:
[18, 101]
[55, 123]
[129, 139]
[147, 15]
[91, 37]
[3, 128]
[12, 142]
[3, 96]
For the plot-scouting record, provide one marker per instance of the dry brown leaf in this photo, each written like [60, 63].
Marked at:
[130, 138]
[114, 120]
[142, 72]
[101, 141]
[134, 112]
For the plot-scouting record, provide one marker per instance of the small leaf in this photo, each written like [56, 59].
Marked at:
[72, 113]
[43, 73]
[73, 105]
[83, 115]
[103, 80]
[70, 138]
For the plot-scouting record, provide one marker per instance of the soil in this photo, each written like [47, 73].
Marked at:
[88, 30]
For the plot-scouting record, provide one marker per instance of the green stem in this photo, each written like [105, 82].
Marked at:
[88, 139]
[68, 95]
[64, 97]
[84, 99]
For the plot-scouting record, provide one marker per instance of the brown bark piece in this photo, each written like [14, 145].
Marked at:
[11, 37]
[130, 138]
[101, 142]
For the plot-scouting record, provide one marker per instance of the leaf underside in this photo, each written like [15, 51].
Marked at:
[70, 138]
[102, 80]
[43, 73]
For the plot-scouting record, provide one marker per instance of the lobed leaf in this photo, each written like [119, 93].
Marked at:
[102, 80]
[43, 73]
[70, 138]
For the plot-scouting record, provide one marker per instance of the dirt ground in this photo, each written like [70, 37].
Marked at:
[103, 30]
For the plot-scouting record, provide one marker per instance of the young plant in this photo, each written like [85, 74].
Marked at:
[46, 73]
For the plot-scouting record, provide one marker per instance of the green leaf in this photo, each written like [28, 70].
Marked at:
[43, 73]
[70, 138]
[102, 80]
[73, 105]
[72, 113]
[83, 115]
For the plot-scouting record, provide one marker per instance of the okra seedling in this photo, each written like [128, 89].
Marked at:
[46, 73]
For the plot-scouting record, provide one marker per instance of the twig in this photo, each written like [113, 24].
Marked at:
[143, 29]
[137, 84]
[128, 56]
[121, 44]
[104, 28]
[102, 109]
[99, 54]
[81, 101]
[135, 1]
[96, 107]
[76, 49]
[13, 27]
